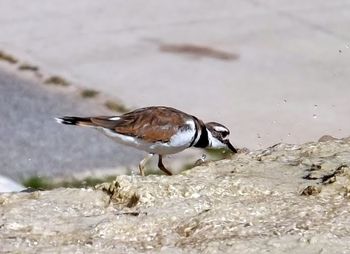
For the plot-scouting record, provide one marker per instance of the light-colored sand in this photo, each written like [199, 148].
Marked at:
[270, 70]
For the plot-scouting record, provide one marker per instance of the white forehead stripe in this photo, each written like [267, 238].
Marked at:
[220, 128]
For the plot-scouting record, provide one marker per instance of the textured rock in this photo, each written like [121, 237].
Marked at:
[285, 199]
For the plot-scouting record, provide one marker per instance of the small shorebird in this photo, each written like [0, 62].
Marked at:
[157, 130]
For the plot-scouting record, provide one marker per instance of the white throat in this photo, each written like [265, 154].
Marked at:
[214, 142]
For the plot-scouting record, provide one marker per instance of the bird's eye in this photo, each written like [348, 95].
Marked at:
[224, 134]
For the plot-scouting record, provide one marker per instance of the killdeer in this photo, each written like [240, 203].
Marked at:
[158, 131]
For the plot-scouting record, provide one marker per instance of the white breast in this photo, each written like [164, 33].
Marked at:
[178, 142]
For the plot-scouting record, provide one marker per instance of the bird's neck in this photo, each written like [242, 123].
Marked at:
[203, 140]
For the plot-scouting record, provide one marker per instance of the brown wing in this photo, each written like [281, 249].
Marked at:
[151, 124]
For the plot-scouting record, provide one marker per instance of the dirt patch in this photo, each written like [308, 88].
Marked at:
[89, 93]
[56, 80]
[7, 58]
[197, 51]
[120, 194]
[115, 106]
[28, 67]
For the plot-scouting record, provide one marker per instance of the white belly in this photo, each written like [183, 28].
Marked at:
[177, 143]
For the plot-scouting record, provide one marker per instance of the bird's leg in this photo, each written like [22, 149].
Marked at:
[200, 161]
[143, 163]
[162, 167]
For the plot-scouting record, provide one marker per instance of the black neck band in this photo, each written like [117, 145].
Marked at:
[203, 141]
[195, 136]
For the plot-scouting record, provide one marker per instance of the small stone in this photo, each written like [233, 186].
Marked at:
[311, 191]
[326, 138]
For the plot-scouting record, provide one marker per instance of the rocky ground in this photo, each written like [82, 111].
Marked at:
[284, 199]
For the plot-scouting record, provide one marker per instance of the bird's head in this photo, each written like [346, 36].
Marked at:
[218, 136]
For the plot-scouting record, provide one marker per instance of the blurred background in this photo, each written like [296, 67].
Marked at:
[271, 71]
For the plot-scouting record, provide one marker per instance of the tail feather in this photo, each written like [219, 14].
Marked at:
[72, 120]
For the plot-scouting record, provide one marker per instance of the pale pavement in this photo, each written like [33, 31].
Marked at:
[290, 82]
[33, 144]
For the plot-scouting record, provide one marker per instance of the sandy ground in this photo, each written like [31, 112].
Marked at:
[270, 70]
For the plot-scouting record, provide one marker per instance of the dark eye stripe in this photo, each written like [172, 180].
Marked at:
[224, 133]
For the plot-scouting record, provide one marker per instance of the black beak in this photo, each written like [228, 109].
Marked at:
[230, 146]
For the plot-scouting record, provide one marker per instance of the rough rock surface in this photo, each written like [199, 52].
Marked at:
[285, 199]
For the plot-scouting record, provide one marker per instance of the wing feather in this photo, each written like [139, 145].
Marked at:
[151, 124]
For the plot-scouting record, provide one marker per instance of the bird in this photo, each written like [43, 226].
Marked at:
[157, 130]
